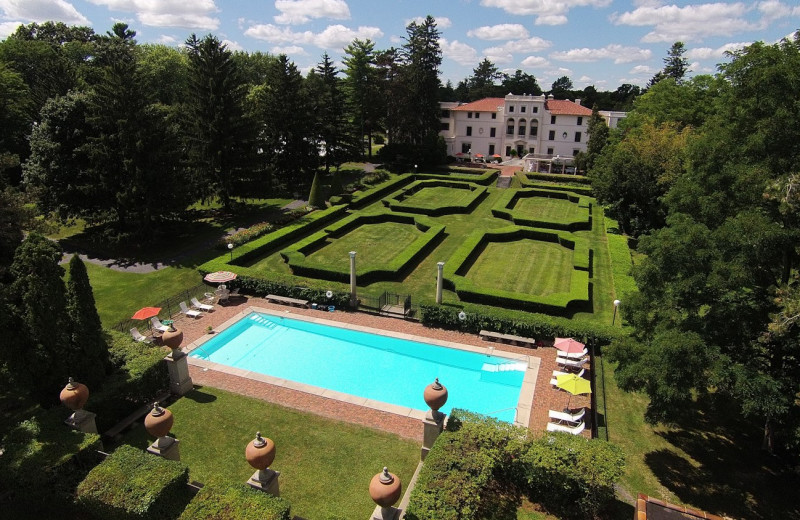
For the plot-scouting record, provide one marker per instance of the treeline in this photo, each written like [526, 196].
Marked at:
[100, 127]
[706, 173]
[487, 81]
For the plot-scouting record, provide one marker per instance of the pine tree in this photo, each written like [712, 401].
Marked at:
[335, 132]
[675, 64]
[86, 330]
[361, 87]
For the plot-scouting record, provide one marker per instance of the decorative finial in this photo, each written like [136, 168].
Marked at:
[157, 410]
[259, 441]
[437, 385]
[71, 384]
[386, 478]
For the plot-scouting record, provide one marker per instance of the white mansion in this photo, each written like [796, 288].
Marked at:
[537, 128]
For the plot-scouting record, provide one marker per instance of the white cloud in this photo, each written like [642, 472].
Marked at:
[194, 14]
[301, 11]
[167, 39]
[43, 10]
[689, 23]
[232, 46]
[535, 62]
[500, 59]
[442, 22]
[548, 12]
[333, 37]
[773, 10]
[528, 45]
[642, 69]
[619, 53]
[459, 52]
[8, 28]
[289, 50]
[707, 53]
[503, 31]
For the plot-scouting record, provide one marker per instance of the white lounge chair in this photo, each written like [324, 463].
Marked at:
[573, 355]
[201, 306]
[573, 418]
[557, 373]
[574, 430]
[571, 363]
[138, 336]
[187, 311]
[222, 294]
[158, 325]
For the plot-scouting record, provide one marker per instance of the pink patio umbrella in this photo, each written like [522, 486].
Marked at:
[220, 277]
[569, 345]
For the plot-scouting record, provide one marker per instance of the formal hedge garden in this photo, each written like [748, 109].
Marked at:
[446, 197]
[507, 207]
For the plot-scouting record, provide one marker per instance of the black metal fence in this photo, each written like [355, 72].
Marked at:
[599, 413]
[169, 307]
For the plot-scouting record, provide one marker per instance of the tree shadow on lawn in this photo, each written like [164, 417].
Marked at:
[732, 475]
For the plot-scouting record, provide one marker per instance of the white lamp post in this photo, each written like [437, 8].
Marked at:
[614, 318]
[230, 248]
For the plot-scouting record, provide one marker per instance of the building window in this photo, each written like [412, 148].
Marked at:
[577, 137]
[477, 115]
[580, 120]
[510, 129]
[531, 150]
[445, 126]
[466, 147]
[508, 150]
[494, 115]
[575, 152]
[534, 130]
[535, 110]
[469, 115]
[445, 114]
[469, 131]
[492, 131]
[552, 135]
[552, 120]
[522, 109]
[549, 151]
[511, 108]
[522, 130]
[491, 149]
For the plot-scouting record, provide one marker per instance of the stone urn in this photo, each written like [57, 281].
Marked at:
[385, 489]
[172, 338]
[435, 395]
[74, 395]
[158, 423]
[260, 452]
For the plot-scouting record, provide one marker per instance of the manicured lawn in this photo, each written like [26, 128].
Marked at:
[325, 465]
[524, 266]
[436, 196]
[119, 294]
[384, 240]
[547, 209]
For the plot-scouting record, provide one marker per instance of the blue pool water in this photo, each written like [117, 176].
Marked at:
[367, 365]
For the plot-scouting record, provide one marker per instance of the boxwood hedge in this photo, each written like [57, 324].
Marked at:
[133, 484]
[482, 177]
[526, 182]
[235, 503]
[504, 208]
[399, 202]
[360, 199]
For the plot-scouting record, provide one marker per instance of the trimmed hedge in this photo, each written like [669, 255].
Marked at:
[503, 208]
[621, 261]
[235, 503]
[557, 177]
[526, 182]
[410, 256]
[141, 375]
[133, 484]
[480, 467]
[360, 199]
[314, 293]
[398, 203]
[482, 177]
[44, 454]
[559, 304]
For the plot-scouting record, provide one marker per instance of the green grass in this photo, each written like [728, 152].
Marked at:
[548, 209]
[436, 196]
[524, 266]
[384, 240]
[325, 465]
[119, 294]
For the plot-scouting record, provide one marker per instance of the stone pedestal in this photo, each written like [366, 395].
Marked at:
[432, 426]
[82, 421]
[385, 513]
[266, 480]
[166, 447]
[179, 381]
[353, 295]
[439, 282]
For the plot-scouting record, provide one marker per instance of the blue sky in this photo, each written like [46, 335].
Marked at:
[594, 42]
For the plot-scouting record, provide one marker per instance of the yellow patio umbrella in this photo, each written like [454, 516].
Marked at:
[573, 384]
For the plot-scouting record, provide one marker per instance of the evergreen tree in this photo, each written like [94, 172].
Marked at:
[676, 66]
[482, 82]
[316, 199]
[598, 137]
[362, 89]
[561, 87]
[335, 133]
[87, 337]
[520, 83]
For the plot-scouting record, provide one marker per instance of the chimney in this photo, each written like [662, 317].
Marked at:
[577, 101]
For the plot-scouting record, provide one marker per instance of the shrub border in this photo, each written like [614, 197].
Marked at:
[396, 203]
[503, 209]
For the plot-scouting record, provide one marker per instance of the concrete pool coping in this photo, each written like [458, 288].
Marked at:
[524, 403]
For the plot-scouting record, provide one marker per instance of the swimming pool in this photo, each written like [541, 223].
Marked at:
[370, 365]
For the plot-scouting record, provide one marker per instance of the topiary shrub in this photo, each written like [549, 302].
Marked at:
[133, 484]
[316, 199]
[235, 503]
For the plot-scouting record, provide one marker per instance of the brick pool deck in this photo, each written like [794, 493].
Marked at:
[545, 396]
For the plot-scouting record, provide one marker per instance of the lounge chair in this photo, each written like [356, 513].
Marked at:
[235, 294]
[138, 336]
[573, 355]
[187, 311]
[222, 295]
[574, 430]
[201, 306]
[158, 325]
[573, 418]
[556, 373]
[571, 363]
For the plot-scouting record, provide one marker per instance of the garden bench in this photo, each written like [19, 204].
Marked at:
[286, 300]
[519, 340]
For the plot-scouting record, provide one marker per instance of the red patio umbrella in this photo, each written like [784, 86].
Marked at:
[479, 155]
[460, 154]
[220, 277]
[146, 312]
[497, 156]
[569, 345]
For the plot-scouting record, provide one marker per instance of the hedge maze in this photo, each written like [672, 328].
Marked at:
[531, 248]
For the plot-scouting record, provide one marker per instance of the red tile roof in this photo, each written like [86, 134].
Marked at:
[490, 104]
[566, 107]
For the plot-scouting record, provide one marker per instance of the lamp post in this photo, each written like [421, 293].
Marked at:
[470, 155]
[415, 168]
[230, 248]
[614, 318]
